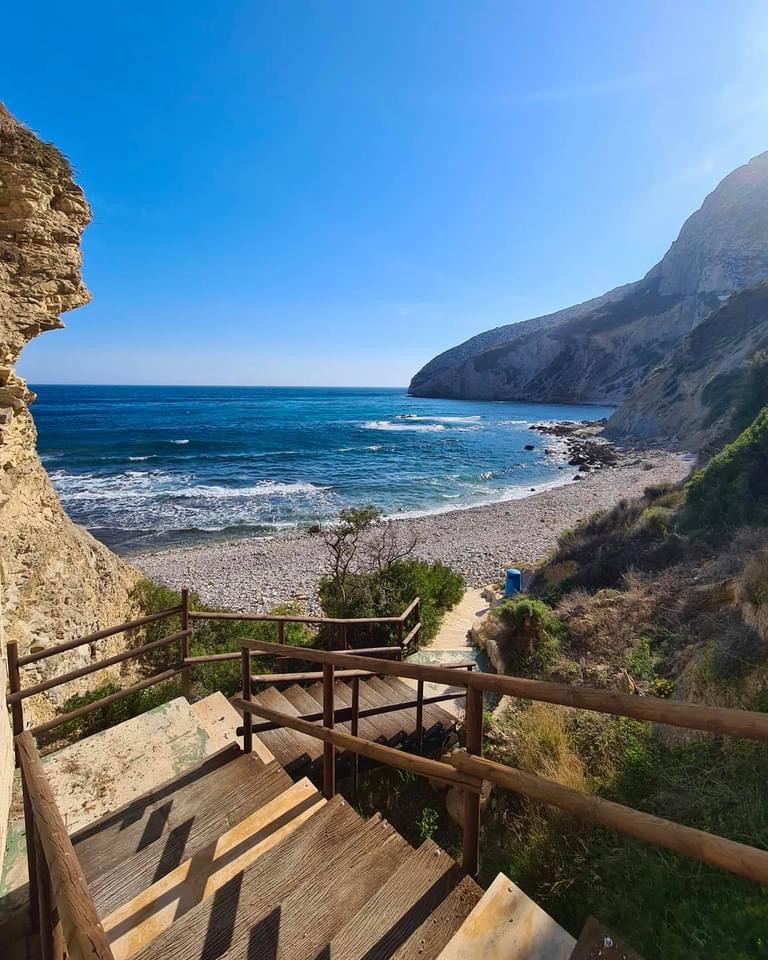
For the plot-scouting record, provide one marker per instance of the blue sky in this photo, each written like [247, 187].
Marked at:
[332, 191]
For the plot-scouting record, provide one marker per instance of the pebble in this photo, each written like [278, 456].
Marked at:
[479, 542]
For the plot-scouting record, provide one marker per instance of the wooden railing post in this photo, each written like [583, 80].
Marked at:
[17, 719]
[329, 751]
[420, 716]
[354, 725]
[247, 696]
[400, 635]
[186, 672]
[473, 732]
[281, 631]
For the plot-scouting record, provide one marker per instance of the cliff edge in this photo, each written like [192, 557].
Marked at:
[600, 351]
[56, 581]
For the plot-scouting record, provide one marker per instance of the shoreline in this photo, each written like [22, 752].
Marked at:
[259, 573]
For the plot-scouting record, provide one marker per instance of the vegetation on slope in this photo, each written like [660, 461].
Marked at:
[665, 595]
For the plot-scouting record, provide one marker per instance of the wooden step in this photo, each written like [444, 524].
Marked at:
[506, 924]
[220, 720]
[292, 749]
[399, 908]
[388, 724]
[215, 813]
[119, 835]
[434, 716]
[313, 913]
[223, 924]
[434, 934]
[149, 914]
[596, 942]
[406, 719]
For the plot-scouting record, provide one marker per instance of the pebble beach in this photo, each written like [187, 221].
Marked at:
[259, 573]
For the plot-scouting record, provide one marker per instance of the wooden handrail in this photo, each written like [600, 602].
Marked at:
[83, 933]
[343, 714]
[307, 676]
[134, 652]
[63, 718]
[287, 618]
[412, 634]
[729, 855]
[98, 635]
[367, 748]
[720, 720]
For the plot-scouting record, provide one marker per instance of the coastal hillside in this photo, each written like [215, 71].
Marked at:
[661, 596]
[57, 582]
[599, 351]
[710, 386]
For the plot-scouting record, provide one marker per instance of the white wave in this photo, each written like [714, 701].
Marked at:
[373, 447]
[266, 488]
[151, 456]
[179, 442]
[399, 427]
[417, 418]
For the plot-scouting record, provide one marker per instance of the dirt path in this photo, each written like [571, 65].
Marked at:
[458, 621]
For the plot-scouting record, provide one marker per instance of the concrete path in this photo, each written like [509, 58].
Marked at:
[458, 621]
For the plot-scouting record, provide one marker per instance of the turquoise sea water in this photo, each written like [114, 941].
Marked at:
[146, 467]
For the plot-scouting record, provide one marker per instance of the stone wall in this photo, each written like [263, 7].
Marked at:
[56, 581]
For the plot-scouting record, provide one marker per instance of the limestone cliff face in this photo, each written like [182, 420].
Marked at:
[56, 581]
[600, 351]
[690, 400]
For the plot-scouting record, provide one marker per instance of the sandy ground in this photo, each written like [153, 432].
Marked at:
[480, 542]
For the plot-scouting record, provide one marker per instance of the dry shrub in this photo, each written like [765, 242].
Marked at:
[752, 593]
[608, 623]
[542, 745]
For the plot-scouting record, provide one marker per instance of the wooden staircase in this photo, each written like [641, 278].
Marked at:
[235, 860]
[298, 753]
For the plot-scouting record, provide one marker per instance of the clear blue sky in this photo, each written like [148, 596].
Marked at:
[332, 191]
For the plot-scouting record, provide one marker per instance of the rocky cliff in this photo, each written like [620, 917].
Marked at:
[600, 351]
[693, 401]
[56, 581]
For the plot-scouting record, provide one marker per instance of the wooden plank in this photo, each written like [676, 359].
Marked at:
[81, 929]
[422, 766]
[399, 907]
[139, 922]
[434, 716]
[505, 924]
[734, 857]
[118, 836]
[426, 942]
[313, 913]
[598, 943]
[132, 654]
[62, 718]
[387, 724]
[217, 812]
[291, 748]
[220, 923]
[722, 720]
[98, 635]
[405, 718]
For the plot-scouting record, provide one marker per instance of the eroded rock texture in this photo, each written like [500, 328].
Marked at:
[56, 581]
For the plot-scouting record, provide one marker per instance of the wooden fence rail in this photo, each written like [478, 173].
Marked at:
[60, 879]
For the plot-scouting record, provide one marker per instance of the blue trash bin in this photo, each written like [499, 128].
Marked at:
[513, 582]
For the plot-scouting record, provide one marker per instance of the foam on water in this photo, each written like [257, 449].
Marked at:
[153, 466]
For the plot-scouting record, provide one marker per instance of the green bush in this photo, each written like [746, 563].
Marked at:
[732, 489]
[209, 637]
[387, 593]
[533, 632]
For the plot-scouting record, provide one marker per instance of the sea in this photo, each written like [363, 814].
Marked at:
[147, 468]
